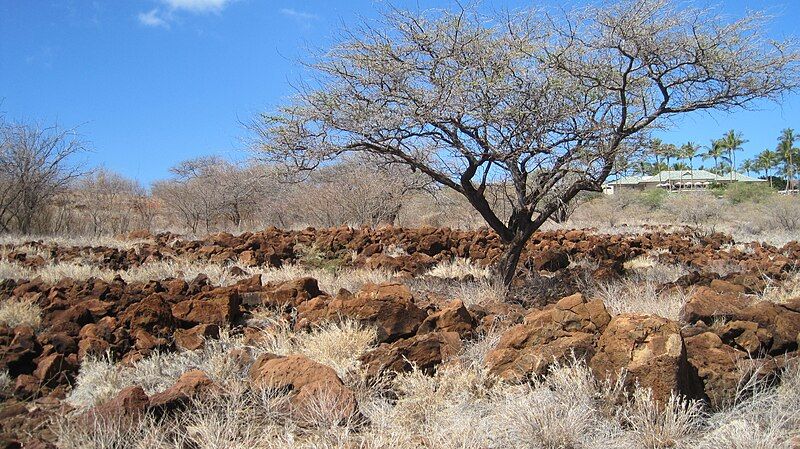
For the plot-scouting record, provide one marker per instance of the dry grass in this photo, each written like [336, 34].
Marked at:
[762, 417]
[655, 425]
[218, 274]
[338, 345]
[458, 268]
[115, 432]
[648, 268]
[329, 281]
[644, 297]
[68, 241]
[13, 270]
[784, 291]
[14, 312]
[5, 381]
[641, 290]
[460, 406]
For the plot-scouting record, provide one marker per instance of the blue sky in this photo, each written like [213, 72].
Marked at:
[150, 83]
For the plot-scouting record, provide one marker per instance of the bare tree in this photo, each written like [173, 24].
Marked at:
[35, 167]
[530, 98]
[146, 208]
[108, 200]
[357, 192]
[209, 189]
[184, 201]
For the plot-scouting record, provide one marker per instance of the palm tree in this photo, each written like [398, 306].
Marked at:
[747, 166]
[785, 151]
[689, 151]
[732, 142]
[655, 148]
[669, 151]
[766, 160]
[643, 166]
[681, 166]
[716, 151]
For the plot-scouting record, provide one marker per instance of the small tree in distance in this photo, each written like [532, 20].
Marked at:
[525, 98]
[35, 167]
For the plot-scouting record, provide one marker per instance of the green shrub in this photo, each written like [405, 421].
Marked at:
[745, 192]
[653, 199]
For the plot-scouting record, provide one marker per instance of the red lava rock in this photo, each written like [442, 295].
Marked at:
[780, 320]
[291, 293]
[220, 307]
[650, 349]
[49, 368]
[26, 387]
[10, 410]
[140, 234]
[452, 318]
[309, 382]
[195, 338]
[92, 346]
[551, 260]
[23, 348]
[571, 327]
[145, 341]
[94, 317]
[717, 366]
[726, 287]
[706, 304]
[61, 342]
[424, 352]
[746, 336]
[9, 442]
[130, 401]
[152, 314]
[390, 307]
[191, 384]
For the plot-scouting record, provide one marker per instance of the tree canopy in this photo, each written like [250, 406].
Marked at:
[545, 102]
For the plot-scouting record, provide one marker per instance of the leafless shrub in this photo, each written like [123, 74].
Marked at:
[355, 192]
[696, 209]
[610, 210]
[207, 191]
[782, 212]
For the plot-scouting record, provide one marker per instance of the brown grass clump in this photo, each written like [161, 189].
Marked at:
[14, 312]
[460, 406]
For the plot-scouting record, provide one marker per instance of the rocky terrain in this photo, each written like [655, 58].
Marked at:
[734, 336]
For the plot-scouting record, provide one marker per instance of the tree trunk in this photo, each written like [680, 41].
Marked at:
[506, 267]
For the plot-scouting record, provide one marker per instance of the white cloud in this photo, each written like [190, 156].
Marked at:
[161, 17]
[301, 17]
[298, 14]
[197, 6]
[152, 18]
